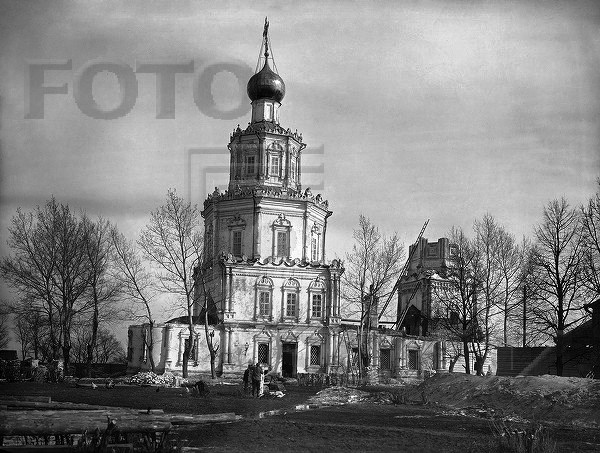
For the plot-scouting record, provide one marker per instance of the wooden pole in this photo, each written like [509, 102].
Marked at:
[39, 423]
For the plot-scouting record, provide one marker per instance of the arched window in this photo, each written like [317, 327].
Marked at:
[316, 300]
[281, 237]
[263, 309]
[315, 243]
[275, 160]
[236, 226]
[315, 348]
[290, 299]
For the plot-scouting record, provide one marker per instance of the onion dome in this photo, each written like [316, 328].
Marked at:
[266, 84]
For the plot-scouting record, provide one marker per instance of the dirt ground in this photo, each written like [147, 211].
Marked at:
[453, 413]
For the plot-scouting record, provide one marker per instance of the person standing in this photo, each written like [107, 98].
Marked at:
[257, 375]
[247, 377]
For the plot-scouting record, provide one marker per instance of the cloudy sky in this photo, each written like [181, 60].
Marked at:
[442, 110]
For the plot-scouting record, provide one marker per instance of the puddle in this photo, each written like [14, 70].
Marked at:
[297, 408]
[412, 416]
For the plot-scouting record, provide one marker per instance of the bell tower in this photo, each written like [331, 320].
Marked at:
[264, 269]
[265, 155]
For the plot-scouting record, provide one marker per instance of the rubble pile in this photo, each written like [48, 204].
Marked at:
[335, 396]
[150, 378]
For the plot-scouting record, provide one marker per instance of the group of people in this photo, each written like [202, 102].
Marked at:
[255, 375]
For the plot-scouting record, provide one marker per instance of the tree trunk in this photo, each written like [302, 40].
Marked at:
[559, 352]
[186, 356]
[466, 354]
[150, 342]
[92, 343]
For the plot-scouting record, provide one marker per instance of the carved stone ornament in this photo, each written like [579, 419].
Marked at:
[236, 221]
[282, 221]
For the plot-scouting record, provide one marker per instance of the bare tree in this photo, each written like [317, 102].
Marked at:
[136, 285]
[173, 242]
[372, 268]
[4, 330]
[510, 259]
[591, 231]
[108, 347]
[102, 287]
[72, 274]
[208, 309]
[455, 307]
[556, 274]
[30, 270]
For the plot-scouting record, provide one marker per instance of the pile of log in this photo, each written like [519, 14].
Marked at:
[42, 417]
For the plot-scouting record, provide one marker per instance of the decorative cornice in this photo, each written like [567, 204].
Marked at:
[278, 262]
[265, 126]
[265, 191]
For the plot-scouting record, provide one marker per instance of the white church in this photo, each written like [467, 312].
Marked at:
[275, 299]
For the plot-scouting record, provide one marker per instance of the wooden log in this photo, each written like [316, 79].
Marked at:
[59, 405]
[40, 423]
[39, 399]
[181, 419]
[38, 448]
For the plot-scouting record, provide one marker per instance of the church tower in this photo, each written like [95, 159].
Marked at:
[272, 296]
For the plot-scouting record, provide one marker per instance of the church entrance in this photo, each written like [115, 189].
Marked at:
[289, 353]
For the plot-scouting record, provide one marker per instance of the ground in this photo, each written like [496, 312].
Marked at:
[452, 413]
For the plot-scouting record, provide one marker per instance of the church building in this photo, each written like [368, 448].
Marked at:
[272, 296]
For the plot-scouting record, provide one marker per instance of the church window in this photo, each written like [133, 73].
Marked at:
[317, 306]
[275, 166]
[209, 244]
[315, 249]
[236, 243]
[264, 303]
[263, 353]
[291, 304]
[293, 168]
[283, 249]
[250, 165]
[315, 355]
[385, 359]
[413, 359]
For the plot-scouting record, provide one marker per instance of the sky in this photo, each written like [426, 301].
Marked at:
[440, 110]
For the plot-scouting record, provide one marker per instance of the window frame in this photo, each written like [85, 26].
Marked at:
[285, 253]
[275, 165]
[319, 357]
[312, 306]
[263, 285]
[388, 351]
[266, 345]
[250, 169]
[264, 307]
[238, 232]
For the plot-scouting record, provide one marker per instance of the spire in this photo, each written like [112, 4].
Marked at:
[266, 38]
[266, 83]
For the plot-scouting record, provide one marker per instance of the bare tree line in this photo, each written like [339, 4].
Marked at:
[497, 290]
[72, 275]
[70, 271]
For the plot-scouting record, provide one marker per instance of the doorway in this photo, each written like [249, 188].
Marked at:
[289, 354]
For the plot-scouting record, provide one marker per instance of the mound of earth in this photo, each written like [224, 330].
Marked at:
[549, 398]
